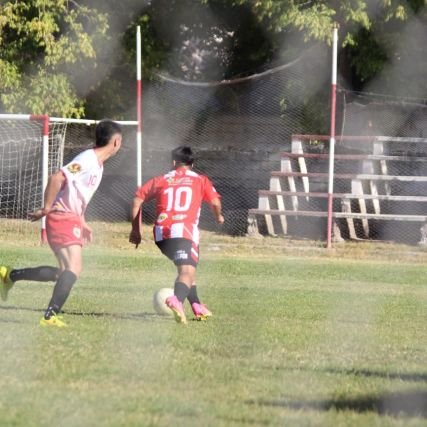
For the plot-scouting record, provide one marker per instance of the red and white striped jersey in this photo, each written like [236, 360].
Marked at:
[179, 195]
[83, 176]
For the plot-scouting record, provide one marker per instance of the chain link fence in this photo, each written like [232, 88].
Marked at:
[239, 130]
[111, 202]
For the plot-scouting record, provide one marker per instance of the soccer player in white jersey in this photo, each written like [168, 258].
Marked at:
[66, 197]
[179, 195]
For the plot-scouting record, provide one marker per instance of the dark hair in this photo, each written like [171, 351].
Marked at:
[104, 130]
[183, 155]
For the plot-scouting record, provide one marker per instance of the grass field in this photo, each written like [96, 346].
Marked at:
[300, 336]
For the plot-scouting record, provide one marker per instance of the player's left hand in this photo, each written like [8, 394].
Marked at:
[38, 214]
[87, 233]
[135, 237]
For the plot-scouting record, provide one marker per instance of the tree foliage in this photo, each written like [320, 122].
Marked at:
[214, 39]
[71, 57]
[45, 46]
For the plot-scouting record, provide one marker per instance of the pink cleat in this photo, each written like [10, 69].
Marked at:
[200, 311]
[177, 308]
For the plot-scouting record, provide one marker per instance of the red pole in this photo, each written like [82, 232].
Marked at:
[332, 137]
[45, 166]
[138, 108]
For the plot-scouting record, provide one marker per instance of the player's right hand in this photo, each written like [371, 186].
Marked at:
[135, 238]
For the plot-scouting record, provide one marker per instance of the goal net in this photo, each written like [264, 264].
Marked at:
[21, 167]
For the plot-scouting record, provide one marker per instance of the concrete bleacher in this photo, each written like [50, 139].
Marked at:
[383, 181]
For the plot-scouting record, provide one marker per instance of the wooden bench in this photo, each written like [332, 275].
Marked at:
[392, 217]
[361, 176]
[345, 213]
[355, 157]
[291, 189]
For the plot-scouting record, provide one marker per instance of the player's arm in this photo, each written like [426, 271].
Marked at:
[54, 184]
[217, 210]
[87, 230]
[135, 234]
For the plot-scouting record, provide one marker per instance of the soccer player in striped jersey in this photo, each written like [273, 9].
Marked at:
[66, 197]
[179, 195]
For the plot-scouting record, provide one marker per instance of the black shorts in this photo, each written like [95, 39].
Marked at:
[180, 251]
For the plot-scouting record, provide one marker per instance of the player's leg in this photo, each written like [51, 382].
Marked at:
[186, 258]
[70, 262]
[182, 285]
[5, 282]
[201, 312]
[64, 234]
[178, 250]
[10, 275]
[184, 280]
[44, 273]
[185, 288]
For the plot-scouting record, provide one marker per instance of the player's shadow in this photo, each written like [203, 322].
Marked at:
[399, 404]
[124, 316]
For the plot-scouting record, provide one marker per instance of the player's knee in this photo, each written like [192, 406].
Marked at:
[76, 270]
[186, 278]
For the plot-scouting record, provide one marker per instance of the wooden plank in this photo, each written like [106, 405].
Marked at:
[370, 167]
[375, 199]
[275, 186]
[402, 178]
[378, 149]
[285, 166]
[346, 196]
[355, 157]
[297, 148]
[264, 206]
[367, 138]
[292, 193]
[346, 207]
[389, 217]
[288, 213]
[402, 139]
[355, 215]
[357, 189]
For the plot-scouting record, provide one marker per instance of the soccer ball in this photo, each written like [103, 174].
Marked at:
[159, 299]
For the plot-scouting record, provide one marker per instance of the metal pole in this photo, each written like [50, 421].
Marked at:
[138, 108]
[332, 136]
[45, 166]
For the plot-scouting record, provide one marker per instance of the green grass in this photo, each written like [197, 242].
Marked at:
[300, 337]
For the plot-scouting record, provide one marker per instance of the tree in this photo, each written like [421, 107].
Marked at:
[370, 34]
[46, 46]
[194, 40]
[71, 57]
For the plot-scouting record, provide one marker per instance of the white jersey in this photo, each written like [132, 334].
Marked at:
[83, 176]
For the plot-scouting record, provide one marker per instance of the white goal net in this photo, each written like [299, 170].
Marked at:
[21, 167]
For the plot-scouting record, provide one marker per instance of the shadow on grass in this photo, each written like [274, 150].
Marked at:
[404, 376]
[402, 404]
[125, 316]
[11, 321]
